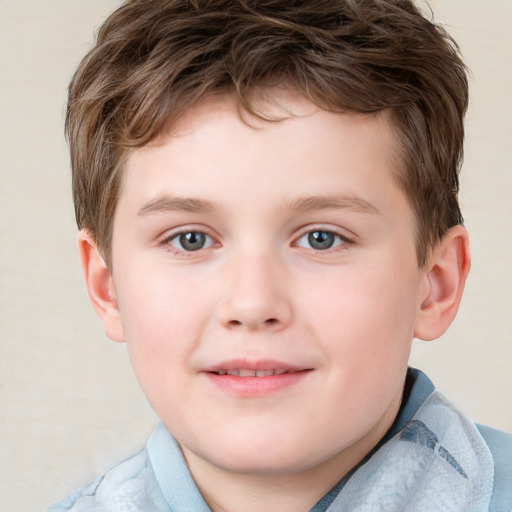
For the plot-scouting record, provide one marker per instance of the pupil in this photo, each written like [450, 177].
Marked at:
[321, 240]
[192, 241]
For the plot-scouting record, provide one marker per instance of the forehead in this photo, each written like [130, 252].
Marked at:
[265, 107]
[217, 147]
[268, 110]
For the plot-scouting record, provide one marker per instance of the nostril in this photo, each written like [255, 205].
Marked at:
[267, 322]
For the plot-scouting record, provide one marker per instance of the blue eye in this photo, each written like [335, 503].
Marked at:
[190, 241]
[320, 240]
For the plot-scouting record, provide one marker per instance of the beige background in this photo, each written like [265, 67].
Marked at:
[69, 406]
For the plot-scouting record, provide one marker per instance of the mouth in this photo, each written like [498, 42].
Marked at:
[255, 379]
[245, 372]
[252, 368]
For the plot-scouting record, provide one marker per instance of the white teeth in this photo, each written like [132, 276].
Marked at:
[243, 372]
[265, 373]
[246, 373]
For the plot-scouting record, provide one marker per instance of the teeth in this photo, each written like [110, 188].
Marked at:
[243, 372]
[265, 373]
[246, 373]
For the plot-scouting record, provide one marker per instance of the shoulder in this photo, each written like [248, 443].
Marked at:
[155, 480]
[130, 485]
[500, 446]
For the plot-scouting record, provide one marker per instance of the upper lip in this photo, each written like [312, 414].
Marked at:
[256, 365]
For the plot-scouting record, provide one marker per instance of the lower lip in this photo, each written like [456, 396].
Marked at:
[246, 387]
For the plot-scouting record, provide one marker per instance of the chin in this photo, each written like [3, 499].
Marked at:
[262, 466]
[261, 457]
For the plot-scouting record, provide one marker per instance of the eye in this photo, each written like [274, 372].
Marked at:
[321, 240]
[190, 241]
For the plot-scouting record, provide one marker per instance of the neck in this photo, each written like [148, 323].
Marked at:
[226, 491]
[229, 491]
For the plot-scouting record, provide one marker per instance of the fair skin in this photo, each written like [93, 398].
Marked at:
[271, 248]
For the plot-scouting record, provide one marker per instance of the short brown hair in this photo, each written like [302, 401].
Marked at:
[154, 59]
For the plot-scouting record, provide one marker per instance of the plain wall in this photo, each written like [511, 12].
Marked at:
[69, 405]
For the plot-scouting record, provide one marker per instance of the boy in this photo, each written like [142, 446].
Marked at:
[267, 197]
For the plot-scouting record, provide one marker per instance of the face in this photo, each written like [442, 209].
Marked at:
[268, 286]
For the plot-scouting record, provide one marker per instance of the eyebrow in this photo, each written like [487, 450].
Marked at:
[164, 204]
[343, 202]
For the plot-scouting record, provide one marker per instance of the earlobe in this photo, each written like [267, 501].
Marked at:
[445, 276]
[100, 286]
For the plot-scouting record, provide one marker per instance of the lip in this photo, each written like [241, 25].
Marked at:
[238, 382]
[257, 365]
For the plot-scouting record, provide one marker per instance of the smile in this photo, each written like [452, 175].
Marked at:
[243, 372]
[251, 379]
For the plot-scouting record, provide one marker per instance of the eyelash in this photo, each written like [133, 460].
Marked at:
[167, 242]
[338, 240]
[338, 243]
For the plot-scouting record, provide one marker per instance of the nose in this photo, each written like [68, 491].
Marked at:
[256, 296]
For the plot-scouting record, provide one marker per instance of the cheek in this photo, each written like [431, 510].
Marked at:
[360, 311]
[162, 320]
[157, 303]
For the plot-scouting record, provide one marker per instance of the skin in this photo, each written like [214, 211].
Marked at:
[261, 293]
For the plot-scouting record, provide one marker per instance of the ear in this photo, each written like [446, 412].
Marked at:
[100, 286]
[445, 277]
